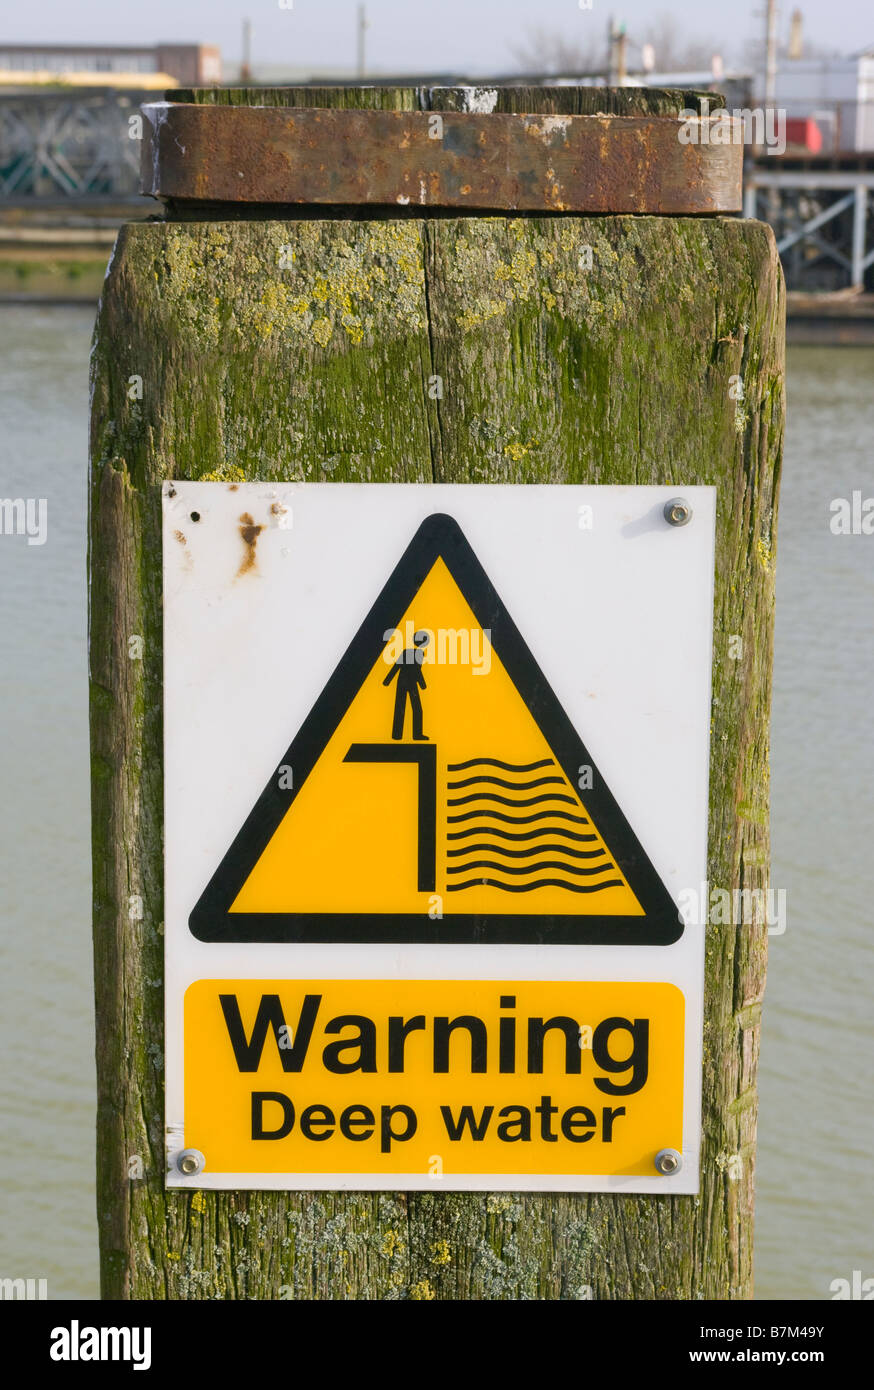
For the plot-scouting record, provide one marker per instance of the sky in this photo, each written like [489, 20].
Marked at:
[470, 36]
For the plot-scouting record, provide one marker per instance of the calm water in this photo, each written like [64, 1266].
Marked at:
[816, 1131]
[48, 1226]
[815, 1217]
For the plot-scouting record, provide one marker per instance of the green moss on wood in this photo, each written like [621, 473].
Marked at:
[549, 372]
[534, 100]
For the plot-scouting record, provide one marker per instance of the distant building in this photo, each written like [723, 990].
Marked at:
[186, 64]
[836, 93]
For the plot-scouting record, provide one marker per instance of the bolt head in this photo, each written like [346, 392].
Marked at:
[677, 511]
[190, 1162]
[668, 1162]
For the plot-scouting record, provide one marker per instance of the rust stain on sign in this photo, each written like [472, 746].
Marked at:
[496, 161]
[249, 532]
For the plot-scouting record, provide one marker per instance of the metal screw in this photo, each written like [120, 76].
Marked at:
[668, 1162]
[677, 511]
[190, 1162]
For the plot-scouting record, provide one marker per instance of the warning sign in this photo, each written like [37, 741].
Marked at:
[436, 782]
[437, 792]
[433, 1077]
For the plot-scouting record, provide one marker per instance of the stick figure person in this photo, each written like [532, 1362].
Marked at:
[408, 669]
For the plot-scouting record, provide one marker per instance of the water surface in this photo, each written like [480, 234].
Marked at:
[816, 1129]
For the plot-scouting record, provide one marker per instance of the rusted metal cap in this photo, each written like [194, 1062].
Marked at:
[461, 160]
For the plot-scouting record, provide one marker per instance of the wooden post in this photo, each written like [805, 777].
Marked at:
[211, 361]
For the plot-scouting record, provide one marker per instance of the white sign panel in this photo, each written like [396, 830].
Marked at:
[436, 784]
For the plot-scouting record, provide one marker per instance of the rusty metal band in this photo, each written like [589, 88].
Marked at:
[455, 160]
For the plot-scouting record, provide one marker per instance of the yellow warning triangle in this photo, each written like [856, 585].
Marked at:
[437, 792]
[508, 824]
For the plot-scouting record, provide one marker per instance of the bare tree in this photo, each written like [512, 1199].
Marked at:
[674, 49]
[752, 53]
[549, 52]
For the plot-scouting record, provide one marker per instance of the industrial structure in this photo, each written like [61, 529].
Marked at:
[119, 65]
[68, 133]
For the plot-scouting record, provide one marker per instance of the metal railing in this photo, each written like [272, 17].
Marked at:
[72, 144]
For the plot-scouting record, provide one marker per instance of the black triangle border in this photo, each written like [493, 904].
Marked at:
[439, 535]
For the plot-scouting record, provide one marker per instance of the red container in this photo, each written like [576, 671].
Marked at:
[800, 130]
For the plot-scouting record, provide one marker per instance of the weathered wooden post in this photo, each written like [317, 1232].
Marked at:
[659, 362]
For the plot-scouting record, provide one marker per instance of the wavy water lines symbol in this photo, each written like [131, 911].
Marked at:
[521, 860]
